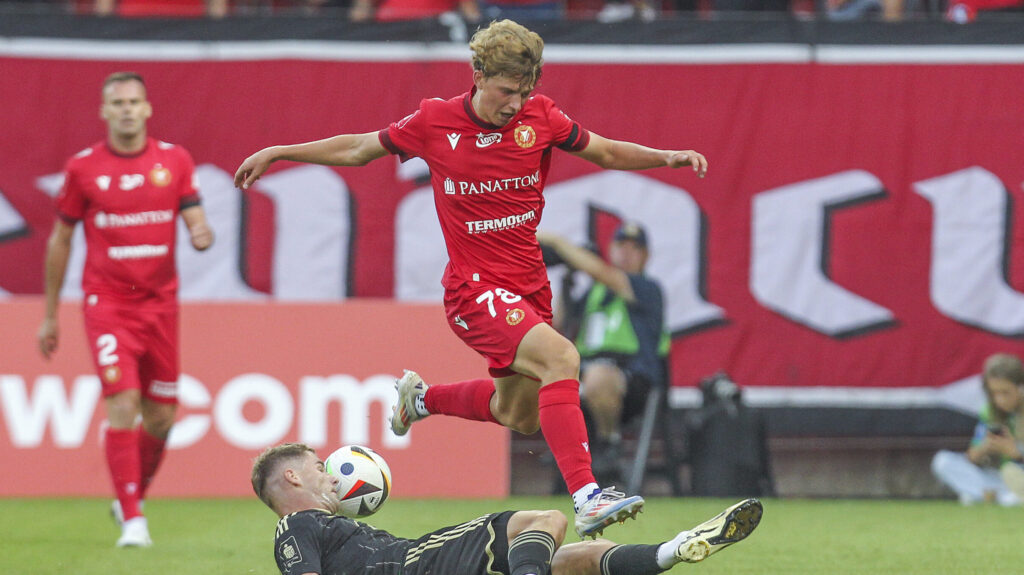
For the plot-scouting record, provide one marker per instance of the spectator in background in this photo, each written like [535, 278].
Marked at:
[127, 191]
[162, 8]
[522, 9]
[964, 11]
[389, 10]
[621, 10]
[622, 340]
[991, 469]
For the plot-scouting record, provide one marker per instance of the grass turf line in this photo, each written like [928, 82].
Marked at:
[76, 536]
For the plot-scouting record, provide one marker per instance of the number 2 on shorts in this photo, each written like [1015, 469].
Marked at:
[107, 345]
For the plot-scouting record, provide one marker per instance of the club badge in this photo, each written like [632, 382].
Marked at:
[514, 316]
[525, 136]
[160, 176]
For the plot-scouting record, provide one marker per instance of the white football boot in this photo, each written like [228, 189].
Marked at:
[603, 509]
[732, 525]
[135, 533]
[409, 386]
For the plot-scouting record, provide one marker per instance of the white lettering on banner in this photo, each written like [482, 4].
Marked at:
[970, 246]
[137, 252]
[105, 220]
[499, 224]
[27, 418]
[356, 398]
[11, 221]
[501, 185]
[788, 248]
[277, 404]
[192, 396]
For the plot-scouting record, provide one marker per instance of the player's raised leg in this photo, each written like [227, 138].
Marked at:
[547, 356]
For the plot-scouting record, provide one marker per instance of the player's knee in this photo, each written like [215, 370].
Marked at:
[527, 424]
[123, 409]
[555, 523]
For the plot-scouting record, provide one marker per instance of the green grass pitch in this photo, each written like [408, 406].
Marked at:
[233, 536]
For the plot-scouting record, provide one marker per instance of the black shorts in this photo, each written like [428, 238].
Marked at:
[477, 547]
[637, 386]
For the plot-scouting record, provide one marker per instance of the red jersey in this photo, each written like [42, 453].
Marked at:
[128, 206]
[488, 183]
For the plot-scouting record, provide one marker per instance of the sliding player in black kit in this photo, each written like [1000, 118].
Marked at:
[312, 539]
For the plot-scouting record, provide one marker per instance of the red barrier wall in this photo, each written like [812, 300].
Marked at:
[906, 177]
[252, 373]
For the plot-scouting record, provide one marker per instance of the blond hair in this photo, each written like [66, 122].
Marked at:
[268, 462]
[506, 48]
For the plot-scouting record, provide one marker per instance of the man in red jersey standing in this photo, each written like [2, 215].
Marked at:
[127, 192]
[489, 151]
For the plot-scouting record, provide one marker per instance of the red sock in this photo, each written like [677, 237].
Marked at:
[561, 421]
[122, 447]
[151, 453]
[466, 399]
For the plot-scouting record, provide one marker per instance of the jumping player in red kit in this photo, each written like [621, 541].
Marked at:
[489, 151]
[128, 191]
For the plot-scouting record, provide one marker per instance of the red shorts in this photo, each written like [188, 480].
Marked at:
[134, 347]
[493, 320]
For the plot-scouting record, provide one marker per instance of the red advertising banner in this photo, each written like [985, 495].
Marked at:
[857, 229]
[253, 375]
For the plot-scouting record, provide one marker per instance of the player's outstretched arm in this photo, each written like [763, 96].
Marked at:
[58, 251]
[199, 230]
[619, 155]
[343, 150]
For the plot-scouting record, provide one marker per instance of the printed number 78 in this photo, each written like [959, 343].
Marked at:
[505, 296]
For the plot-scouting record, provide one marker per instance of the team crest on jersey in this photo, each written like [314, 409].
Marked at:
[111, 374]
[525, 136]
[103, 182]
[514, 316]
[160, 176]
[484, 140]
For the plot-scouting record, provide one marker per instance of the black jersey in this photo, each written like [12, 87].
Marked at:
[315, 541]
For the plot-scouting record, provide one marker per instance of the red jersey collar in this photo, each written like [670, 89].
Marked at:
[467, 103]
[106, 144]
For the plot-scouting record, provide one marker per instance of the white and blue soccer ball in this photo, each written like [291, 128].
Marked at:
[365, 479]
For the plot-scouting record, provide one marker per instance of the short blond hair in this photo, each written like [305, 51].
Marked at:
[507, 48]
[269, 462]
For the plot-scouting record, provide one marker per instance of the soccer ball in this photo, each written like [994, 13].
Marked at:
[365, 479]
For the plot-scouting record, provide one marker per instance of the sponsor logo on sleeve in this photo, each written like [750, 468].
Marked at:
[289, 552]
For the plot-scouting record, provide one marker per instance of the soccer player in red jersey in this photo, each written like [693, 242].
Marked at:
[128, 191]
[489, 150]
